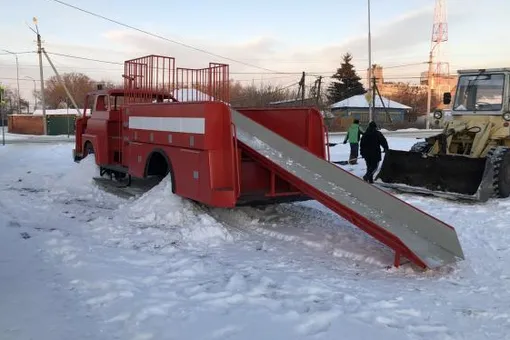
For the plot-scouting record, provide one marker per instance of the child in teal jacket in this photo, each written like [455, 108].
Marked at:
[353, 136]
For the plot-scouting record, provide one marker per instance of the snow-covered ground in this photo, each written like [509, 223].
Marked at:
[11, 138]
[77, 262]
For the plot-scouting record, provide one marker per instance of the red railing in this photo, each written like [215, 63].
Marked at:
[150, 78]
[206, 84]
[155, 78]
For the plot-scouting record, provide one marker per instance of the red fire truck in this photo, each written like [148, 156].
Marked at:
[179, 121]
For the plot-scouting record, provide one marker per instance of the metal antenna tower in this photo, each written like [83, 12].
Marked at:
[439, 36]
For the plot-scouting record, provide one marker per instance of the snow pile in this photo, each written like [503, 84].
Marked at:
[160, 219]
[80, 176]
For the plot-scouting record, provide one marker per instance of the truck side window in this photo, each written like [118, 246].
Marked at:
[101, 103]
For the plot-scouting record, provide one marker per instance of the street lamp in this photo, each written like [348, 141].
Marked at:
[35, 89]
[17, 78]
[369, 64]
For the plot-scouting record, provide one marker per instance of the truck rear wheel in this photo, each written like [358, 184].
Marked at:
[88, 149]
[158, 166]
[500, 158]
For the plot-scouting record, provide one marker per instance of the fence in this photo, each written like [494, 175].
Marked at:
[33, 124]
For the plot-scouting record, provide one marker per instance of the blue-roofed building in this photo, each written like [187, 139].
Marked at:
[356, 107]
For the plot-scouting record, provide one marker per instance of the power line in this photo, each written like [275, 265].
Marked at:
[325, 74]
[275, 72]
[239, 73]
[4, 78]
[84, 58]
[26, 52]
[159, 36]
[121, 64]
[404, 65]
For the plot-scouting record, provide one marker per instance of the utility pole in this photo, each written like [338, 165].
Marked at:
[369, 63]
[429, 92]
[302, 88]
[39, 52]
[373, 97]
[319, 83]
[61, 81]
[439, 36]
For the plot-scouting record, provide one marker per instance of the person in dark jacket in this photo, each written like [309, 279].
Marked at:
[353, 136]
[370, 149]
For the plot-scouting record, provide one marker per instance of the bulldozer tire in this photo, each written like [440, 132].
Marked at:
[422, 147]
[500, 157]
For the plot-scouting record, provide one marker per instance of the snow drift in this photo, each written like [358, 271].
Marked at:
[158, 219]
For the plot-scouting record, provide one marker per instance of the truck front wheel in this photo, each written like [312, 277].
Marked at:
[500, 158]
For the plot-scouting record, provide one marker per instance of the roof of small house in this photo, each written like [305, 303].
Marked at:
[360, 101]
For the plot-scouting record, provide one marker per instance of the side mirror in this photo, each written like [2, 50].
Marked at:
[447, 98]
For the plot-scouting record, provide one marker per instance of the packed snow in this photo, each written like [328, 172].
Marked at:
[23, 138]
[79, 262]
[70, 111]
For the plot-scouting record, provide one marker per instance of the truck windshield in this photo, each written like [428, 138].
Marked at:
[483, 92]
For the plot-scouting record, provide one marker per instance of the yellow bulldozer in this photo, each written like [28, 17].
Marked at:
[470, 158]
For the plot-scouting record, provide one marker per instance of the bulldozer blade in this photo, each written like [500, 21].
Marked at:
[447, 176]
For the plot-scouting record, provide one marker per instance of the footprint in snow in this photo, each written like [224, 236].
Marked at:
[317, 323]
[14, 224]
[226, 332]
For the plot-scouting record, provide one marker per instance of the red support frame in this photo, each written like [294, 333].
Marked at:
[236, 163]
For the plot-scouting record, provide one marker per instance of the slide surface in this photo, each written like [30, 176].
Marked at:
[412, 233]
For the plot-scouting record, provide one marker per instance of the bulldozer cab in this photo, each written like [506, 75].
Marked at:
[481, 93]
[469, 158]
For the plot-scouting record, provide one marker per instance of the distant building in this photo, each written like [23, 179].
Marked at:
[357, 107]
[442, 83]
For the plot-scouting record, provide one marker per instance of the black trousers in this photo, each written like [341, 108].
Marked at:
[372, 166]
[353, 156]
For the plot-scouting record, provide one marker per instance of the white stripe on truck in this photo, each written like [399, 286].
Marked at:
[169, 124]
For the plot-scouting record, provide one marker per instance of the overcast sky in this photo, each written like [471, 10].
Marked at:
[279, 35]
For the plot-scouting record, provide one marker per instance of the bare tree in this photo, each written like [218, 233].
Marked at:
[11, 101]
[259, 96]
[78, 85]
[413, 96]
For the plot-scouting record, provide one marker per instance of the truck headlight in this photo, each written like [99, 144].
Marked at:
[438, 114]
[506, 116]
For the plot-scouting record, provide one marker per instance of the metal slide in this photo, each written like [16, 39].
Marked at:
[421, 238]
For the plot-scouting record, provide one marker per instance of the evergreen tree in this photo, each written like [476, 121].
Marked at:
[348, 82]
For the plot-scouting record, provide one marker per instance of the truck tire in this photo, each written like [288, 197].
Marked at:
[89, 149]
[159, 166]
[500, 158]
[422, 147]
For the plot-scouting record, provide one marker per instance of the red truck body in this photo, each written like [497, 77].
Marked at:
[157, 125]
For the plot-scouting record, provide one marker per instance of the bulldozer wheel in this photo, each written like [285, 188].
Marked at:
[420, 147]
[500, 157]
